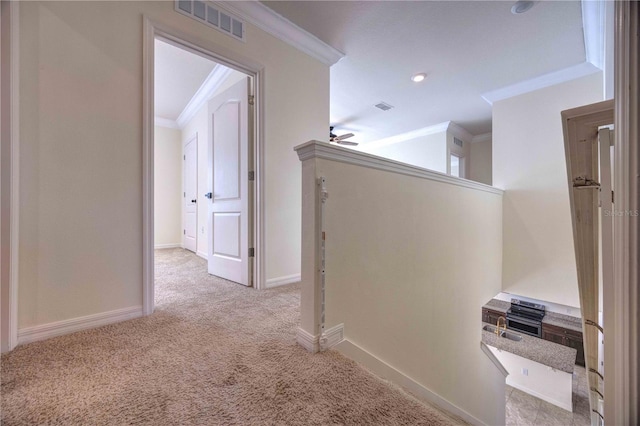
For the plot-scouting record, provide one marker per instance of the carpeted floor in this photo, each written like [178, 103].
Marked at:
[213, 353]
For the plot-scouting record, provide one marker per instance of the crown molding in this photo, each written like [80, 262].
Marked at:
[424, 131]
[165, 122]
[212, 83]
[317, 149]
[485, 137]
[567, 74]
[268, 20]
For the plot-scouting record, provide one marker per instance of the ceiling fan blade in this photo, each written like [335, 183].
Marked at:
[345, 136]
[341, 142]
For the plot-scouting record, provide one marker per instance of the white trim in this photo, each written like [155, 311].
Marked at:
[230, 59]
[167, 246]
[15, 173]
[413, 134]
[459, 132]
[308, 341]
[287, 279]
[485, 137]
[148, 284]
[384, 370]
[206, 91]
[546, 80]
[317, 149]
[14, 180]
[59, 328]
[202, 254]
[165, 122]
[268, 20]
[621, 399]
[259, 213]
[331, 337]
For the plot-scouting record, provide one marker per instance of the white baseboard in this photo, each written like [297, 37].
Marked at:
[308, 341]
[167, 246]
[384, 370]
[287, 279]
[59, 328]
[331, 337]
[203, 255]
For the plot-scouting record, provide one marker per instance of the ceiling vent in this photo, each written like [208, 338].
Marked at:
[458, 142]
[384, 106]
[210, 14]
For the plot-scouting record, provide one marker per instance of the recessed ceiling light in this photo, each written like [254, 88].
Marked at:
[418, 77]
[521, 6]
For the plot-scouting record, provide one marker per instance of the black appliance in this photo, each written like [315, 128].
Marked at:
[526, 317]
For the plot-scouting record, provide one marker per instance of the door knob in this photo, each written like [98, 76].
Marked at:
[209, 195]
[194, 201]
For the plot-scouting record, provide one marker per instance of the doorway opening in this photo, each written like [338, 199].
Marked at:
[202, 180]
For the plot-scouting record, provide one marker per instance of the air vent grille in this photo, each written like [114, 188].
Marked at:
[211, 15]
[384, 106]
[458, 142]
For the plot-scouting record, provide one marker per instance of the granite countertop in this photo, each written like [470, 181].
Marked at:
[552, 318]
[564, 321]
[497, 305]
[547, 353]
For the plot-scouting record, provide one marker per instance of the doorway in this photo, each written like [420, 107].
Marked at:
[185, 79]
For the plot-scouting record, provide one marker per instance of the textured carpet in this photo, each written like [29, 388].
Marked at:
[213, 353]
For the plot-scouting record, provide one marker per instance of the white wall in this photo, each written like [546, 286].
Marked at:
[81, 150]
[541, 381]
[167, 186]
[409, 263]
[529, 163]
[480, 161]
[429, 152]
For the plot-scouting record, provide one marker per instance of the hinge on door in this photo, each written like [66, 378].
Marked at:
[612, 198]
[252, 100]
[184, 157]
[184, 232]
[184, 194]
[252, 252]
[252, 175]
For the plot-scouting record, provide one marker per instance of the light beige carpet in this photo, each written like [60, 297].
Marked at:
[213, 353]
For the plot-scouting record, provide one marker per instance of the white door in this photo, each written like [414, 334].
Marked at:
[228, 176]
[190, 196]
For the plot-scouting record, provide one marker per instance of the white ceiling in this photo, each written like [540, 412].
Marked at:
[467, 48]
[178, 75]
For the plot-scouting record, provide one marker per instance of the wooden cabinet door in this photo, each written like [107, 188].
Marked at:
[574, 340]
[553, 334]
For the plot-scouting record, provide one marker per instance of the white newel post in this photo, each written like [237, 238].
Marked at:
[309, 331]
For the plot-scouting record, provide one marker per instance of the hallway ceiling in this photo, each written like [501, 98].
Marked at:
[178, 75]
[467, 48]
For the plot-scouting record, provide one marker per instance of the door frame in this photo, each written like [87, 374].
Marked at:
[154, 30]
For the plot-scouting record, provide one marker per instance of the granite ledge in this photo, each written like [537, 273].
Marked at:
[551, 354]
[497, 305]
[564, 321]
